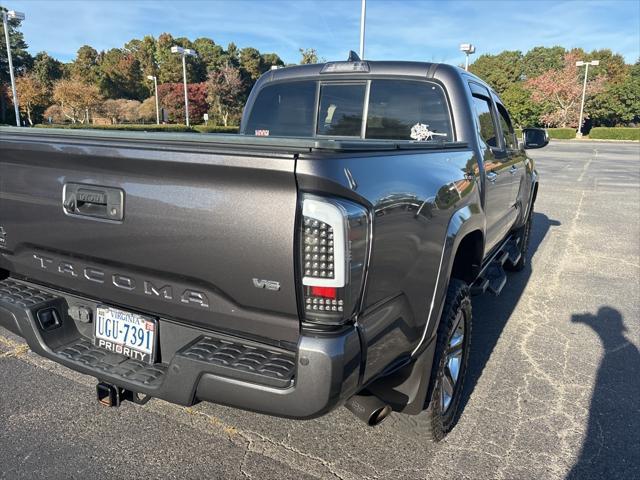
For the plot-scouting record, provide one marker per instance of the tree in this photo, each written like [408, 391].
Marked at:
[271, 60]
[523, 110]
[85, 67]
[308, 55]
[250, 64]
[147, 110]
[170, 64]
[121, 110]
[212, 56]
[47, 70]
[110, 109]
[612, 65]
[233, 55]
[130, 110]
[76, 98]
[618, 103]
[54, 114]
[563, 90]
[144, 51]
[21, 59]
[225, 88]
[172, 100]
[500, 71]
[32, 95]
[121, 75]
[538, 60]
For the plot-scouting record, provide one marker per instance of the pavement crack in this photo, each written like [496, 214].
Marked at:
[279, 451]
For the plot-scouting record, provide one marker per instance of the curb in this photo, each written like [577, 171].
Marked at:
[592, 140]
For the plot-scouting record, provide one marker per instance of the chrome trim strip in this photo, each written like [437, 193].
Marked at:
[433, 299]
[365, 110]
[365, 279]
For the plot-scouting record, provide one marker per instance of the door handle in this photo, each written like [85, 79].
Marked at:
[492, 176]
[93, 201]
[513, 169]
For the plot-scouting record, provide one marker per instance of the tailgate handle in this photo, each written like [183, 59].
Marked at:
[93, 201]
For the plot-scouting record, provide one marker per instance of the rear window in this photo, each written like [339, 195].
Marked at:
[340, 112]
[284, 109]
[397, 110]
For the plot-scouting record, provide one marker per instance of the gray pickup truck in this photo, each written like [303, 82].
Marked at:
[323, 257]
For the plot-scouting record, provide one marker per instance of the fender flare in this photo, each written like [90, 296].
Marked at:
[463, 221]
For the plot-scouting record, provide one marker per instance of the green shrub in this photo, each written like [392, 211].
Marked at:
[216, 129]
[561, 133]
[557, 133]
[615, 133]
[152, 127]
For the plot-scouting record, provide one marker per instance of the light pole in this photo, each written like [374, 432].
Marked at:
[468, 49]
[11, 14]
[155, 84]
[584, 90]
[363, 14]
[184, 52]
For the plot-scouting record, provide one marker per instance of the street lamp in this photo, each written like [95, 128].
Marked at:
[11, 14]
[468, 49]
[584, 90]
[184, 52]
[155, 83]
[363, 14]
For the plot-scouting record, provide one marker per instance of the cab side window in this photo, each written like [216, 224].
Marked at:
[507, 129]
[486, 127]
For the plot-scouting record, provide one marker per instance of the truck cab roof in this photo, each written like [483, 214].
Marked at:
[387, 68]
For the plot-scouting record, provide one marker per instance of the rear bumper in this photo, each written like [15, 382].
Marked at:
[322, 373]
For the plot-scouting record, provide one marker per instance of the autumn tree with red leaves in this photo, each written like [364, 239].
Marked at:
[561, 91]
[171, 97]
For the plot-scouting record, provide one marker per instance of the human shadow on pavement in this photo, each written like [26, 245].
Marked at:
[611, 447]
[490, 313]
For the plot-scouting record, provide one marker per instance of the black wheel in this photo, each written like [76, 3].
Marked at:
[449, 368]
[524, 234]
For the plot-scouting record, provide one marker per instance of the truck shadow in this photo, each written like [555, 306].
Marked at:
[611, 447]
[491, 314]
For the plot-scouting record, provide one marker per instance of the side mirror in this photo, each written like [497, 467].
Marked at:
[534, 137]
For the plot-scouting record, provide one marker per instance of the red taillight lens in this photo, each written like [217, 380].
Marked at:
[325, 292]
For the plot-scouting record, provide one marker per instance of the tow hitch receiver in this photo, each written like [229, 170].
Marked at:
[109, 395]
[112, 396]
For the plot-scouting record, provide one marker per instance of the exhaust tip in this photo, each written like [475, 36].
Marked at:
[368, 408]
[379, 415]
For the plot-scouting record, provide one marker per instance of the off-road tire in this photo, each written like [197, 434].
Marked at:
[432, 422]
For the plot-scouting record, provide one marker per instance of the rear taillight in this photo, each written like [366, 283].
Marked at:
[333, 252]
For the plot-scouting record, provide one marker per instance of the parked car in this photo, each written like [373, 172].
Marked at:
[325, 256]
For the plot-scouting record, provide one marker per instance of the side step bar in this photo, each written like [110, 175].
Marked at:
[493, 277]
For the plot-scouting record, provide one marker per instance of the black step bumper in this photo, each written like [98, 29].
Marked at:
[321, 374]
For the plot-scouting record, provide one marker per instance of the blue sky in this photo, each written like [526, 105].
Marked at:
[401, 30]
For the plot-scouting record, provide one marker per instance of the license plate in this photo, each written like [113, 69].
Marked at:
[126, 333]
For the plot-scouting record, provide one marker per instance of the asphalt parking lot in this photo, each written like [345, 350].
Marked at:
[553, 390]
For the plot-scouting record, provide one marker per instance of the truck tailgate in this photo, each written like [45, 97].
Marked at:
[205, 228]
